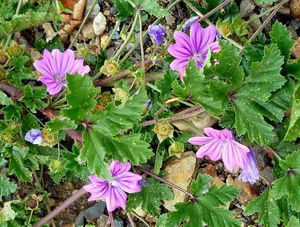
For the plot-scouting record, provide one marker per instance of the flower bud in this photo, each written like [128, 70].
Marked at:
[176, 149]
[163, 130]
[110, 67]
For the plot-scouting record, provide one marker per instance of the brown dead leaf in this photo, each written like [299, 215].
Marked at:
[248, 191]
[79, 8]
[211, 170]
[296, 49]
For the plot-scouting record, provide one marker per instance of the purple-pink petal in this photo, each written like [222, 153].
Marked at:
[128, 182]
[250, 172]
[220, 145]
[117, 167]
[195, 46]
[115, 198]
[55, 65]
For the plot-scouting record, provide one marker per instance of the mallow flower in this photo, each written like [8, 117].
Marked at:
[34, 136]
[55, 65]
[195, 46]
[114, 191]
[221, 145]
[250, 171]
[156, 33]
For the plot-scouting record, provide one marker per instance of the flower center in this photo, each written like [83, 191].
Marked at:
[60, 79]
[198, 57]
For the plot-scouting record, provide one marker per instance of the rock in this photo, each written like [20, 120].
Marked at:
[102, 221]
[180, 172]
[91, 213]
[50, 33]
[295, 8]
[246, 8]
[170, 20]
[103, 41]
[296, 49]
[99, 24]
[88, 31]
[267, 173]
[195, 124]
[96, 9]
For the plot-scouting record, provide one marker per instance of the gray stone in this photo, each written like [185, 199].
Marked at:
[246, 8]
[96, 9]
[91, 213]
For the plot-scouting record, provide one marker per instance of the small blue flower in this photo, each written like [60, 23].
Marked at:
[34, 136]
[148, 103]
[156, 33]
[186, 26]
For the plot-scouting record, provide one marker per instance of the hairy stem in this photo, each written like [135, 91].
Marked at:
[83, 22]
[141, 45]
[278, 6]
[60, 208]
[121, 49]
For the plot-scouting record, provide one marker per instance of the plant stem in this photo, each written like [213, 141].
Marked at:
[130, 220]
[112, 34]
[121, 49]
[158, 90]
[83, 22]
[278, 6]
[167, 182]
[141, 219]
[145, 33]
[141, 45]
[274, 153]
[60, 208]
[41, 188]
[111, 219]
[17, 12]
[251, 19]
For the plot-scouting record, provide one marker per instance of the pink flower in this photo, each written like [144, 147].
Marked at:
[55, 65]
[114, 191]
[195, 46]
[250, 172]
[220, 144]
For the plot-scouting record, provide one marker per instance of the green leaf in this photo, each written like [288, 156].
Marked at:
[293, 222]
[264, 77]
[268, 208]
[228, 67]
[60, 123]
[152, 7]
[281, 36]
[33, 98]
[196, 88]
[29, 121]
[12, 112]
[80, 97]
[125, 10]
[166, 84]
[293, 131]
[248, 120]
[102, 139]
[289, 185]
[6, 186]
[206, 210]
[7, 213]
[150, 198]
[17, 166]
[4, 100]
